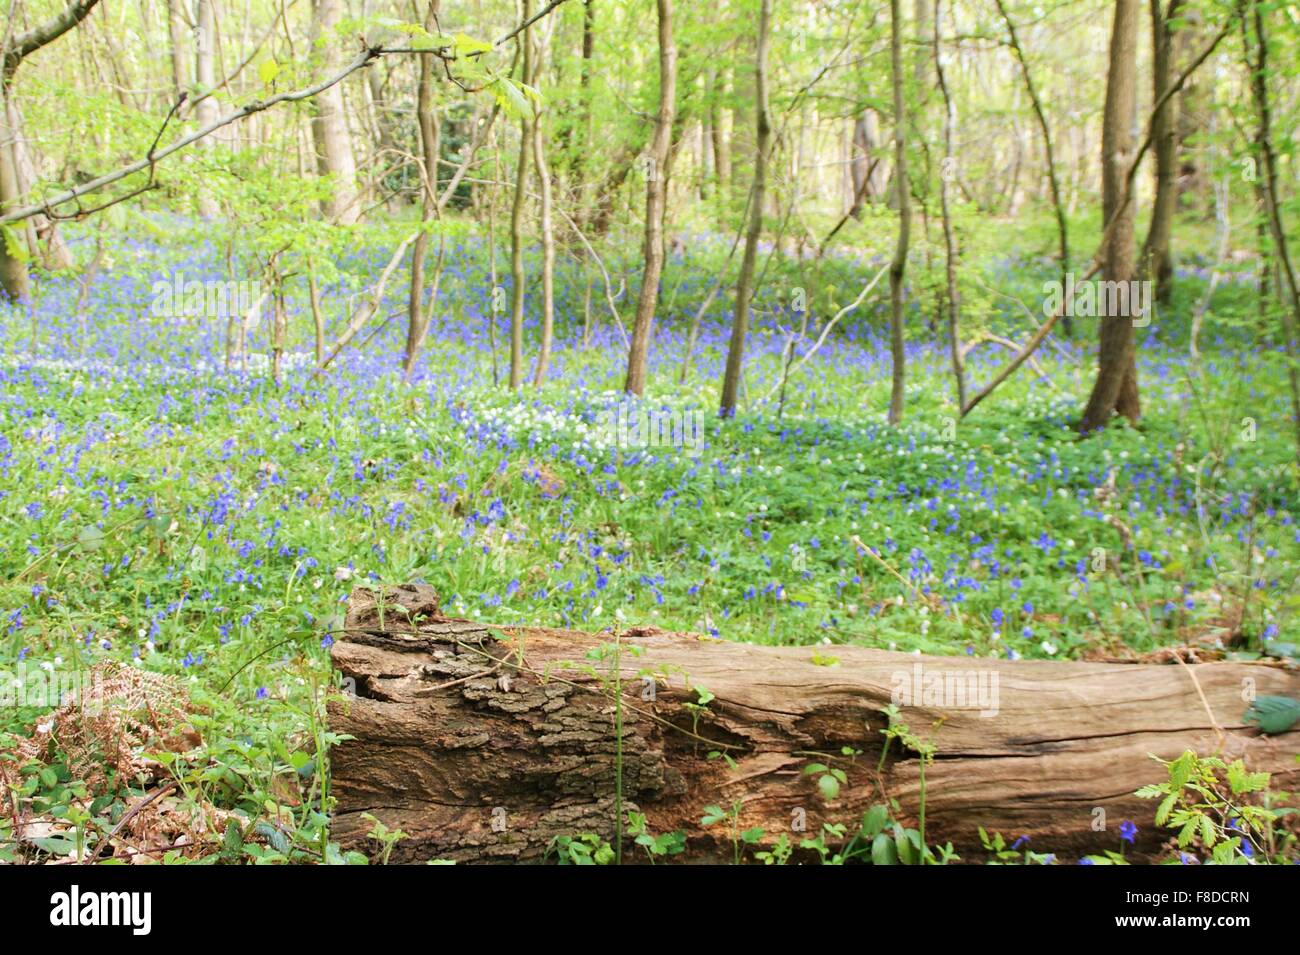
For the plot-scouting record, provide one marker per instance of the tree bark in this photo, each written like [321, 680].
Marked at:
[15, 285]
[898, 266]
[1268, 185]
[205, 78]
[483, 744]
[517, 221]
[547, 229]
[745, 282]
[1157, 262]
[417, 320]
[1062, 228]
[329, 121]
[656, 197]
[949, 237]
[1115, 390]
[55, 252]
[176, 34]
[720, 132]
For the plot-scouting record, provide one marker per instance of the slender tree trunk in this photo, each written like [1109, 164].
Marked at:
[517, 223]
[720, 130]
[1264, 146]
[176, 32]
[56, 253]
[1115, 390]
[1062, 228]
[580, 163]
[329, 123]
[1157, 263]
[899, 264]
[745, 283]
[317, 316]
[547, 229]
[656, 194]
[205, 77]
[417, 325]
[1195, 110]
[949, 239]
[14, 283]
[495, 301]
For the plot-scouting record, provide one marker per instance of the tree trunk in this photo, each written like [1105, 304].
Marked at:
[656, 195]
[14, 283]
[745, 283]
[329, 122]
[867, 170]
[949, 237]
[1062, 228]
[1288, 289]
[720, 131]
[484, 744]
[547, 230]
[1115, 390]
[517, 222]
[1157, 262]
[55, 252]
[1195, 110]
[205, 78]
[417, 320]
[899, 264]
[176, 32]
[579, 161]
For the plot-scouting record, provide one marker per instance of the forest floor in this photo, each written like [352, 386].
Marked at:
[207, 524]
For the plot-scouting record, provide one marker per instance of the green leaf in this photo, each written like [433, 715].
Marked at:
[508, 97]
[829, 786]
[874, 820]
[91, 538]
[1273, 714]
[267, 71]
[883, 851]
[1162, 814]
[13, 245]
[1242, 781]
[466, 45]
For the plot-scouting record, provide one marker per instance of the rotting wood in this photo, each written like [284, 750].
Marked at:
[485, 743]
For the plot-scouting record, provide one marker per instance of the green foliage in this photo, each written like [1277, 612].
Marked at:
[583, 849]
[1273, 714]
[1219, 809]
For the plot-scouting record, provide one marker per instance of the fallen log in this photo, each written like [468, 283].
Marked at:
[485, 743]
